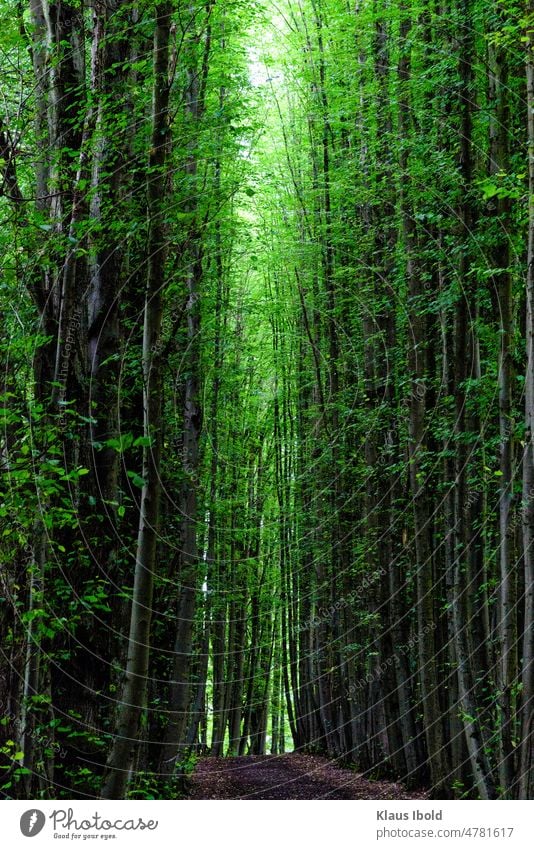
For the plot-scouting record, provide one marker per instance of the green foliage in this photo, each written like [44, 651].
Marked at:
[341, 214]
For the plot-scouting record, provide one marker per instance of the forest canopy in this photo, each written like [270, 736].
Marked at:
[267, 295]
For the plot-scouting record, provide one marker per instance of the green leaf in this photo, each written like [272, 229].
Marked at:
[136, 479]
[144, 441]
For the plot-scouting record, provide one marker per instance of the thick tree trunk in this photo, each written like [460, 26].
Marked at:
[179, 695]
[134, 692]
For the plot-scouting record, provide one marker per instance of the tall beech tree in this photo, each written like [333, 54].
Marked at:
[267, 391]
[134, 694]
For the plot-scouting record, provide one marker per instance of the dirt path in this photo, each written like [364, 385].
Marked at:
[291, 776]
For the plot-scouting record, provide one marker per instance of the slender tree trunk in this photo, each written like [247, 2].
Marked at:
[426, 623]
[502, 282]
[463, 363]
[526, 784]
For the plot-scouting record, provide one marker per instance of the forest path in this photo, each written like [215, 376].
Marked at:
[289, 776]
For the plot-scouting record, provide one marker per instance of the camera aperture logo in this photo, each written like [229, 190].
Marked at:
[32, 822]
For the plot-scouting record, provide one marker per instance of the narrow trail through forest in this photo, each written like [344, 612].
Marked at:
[288, 776]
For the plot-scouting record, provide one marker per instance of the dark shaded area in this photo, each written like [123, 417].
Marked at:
[289, 776]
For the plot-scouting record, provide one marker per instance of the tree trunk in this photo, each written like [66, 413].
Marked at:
[134, 692]
[526, 784]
